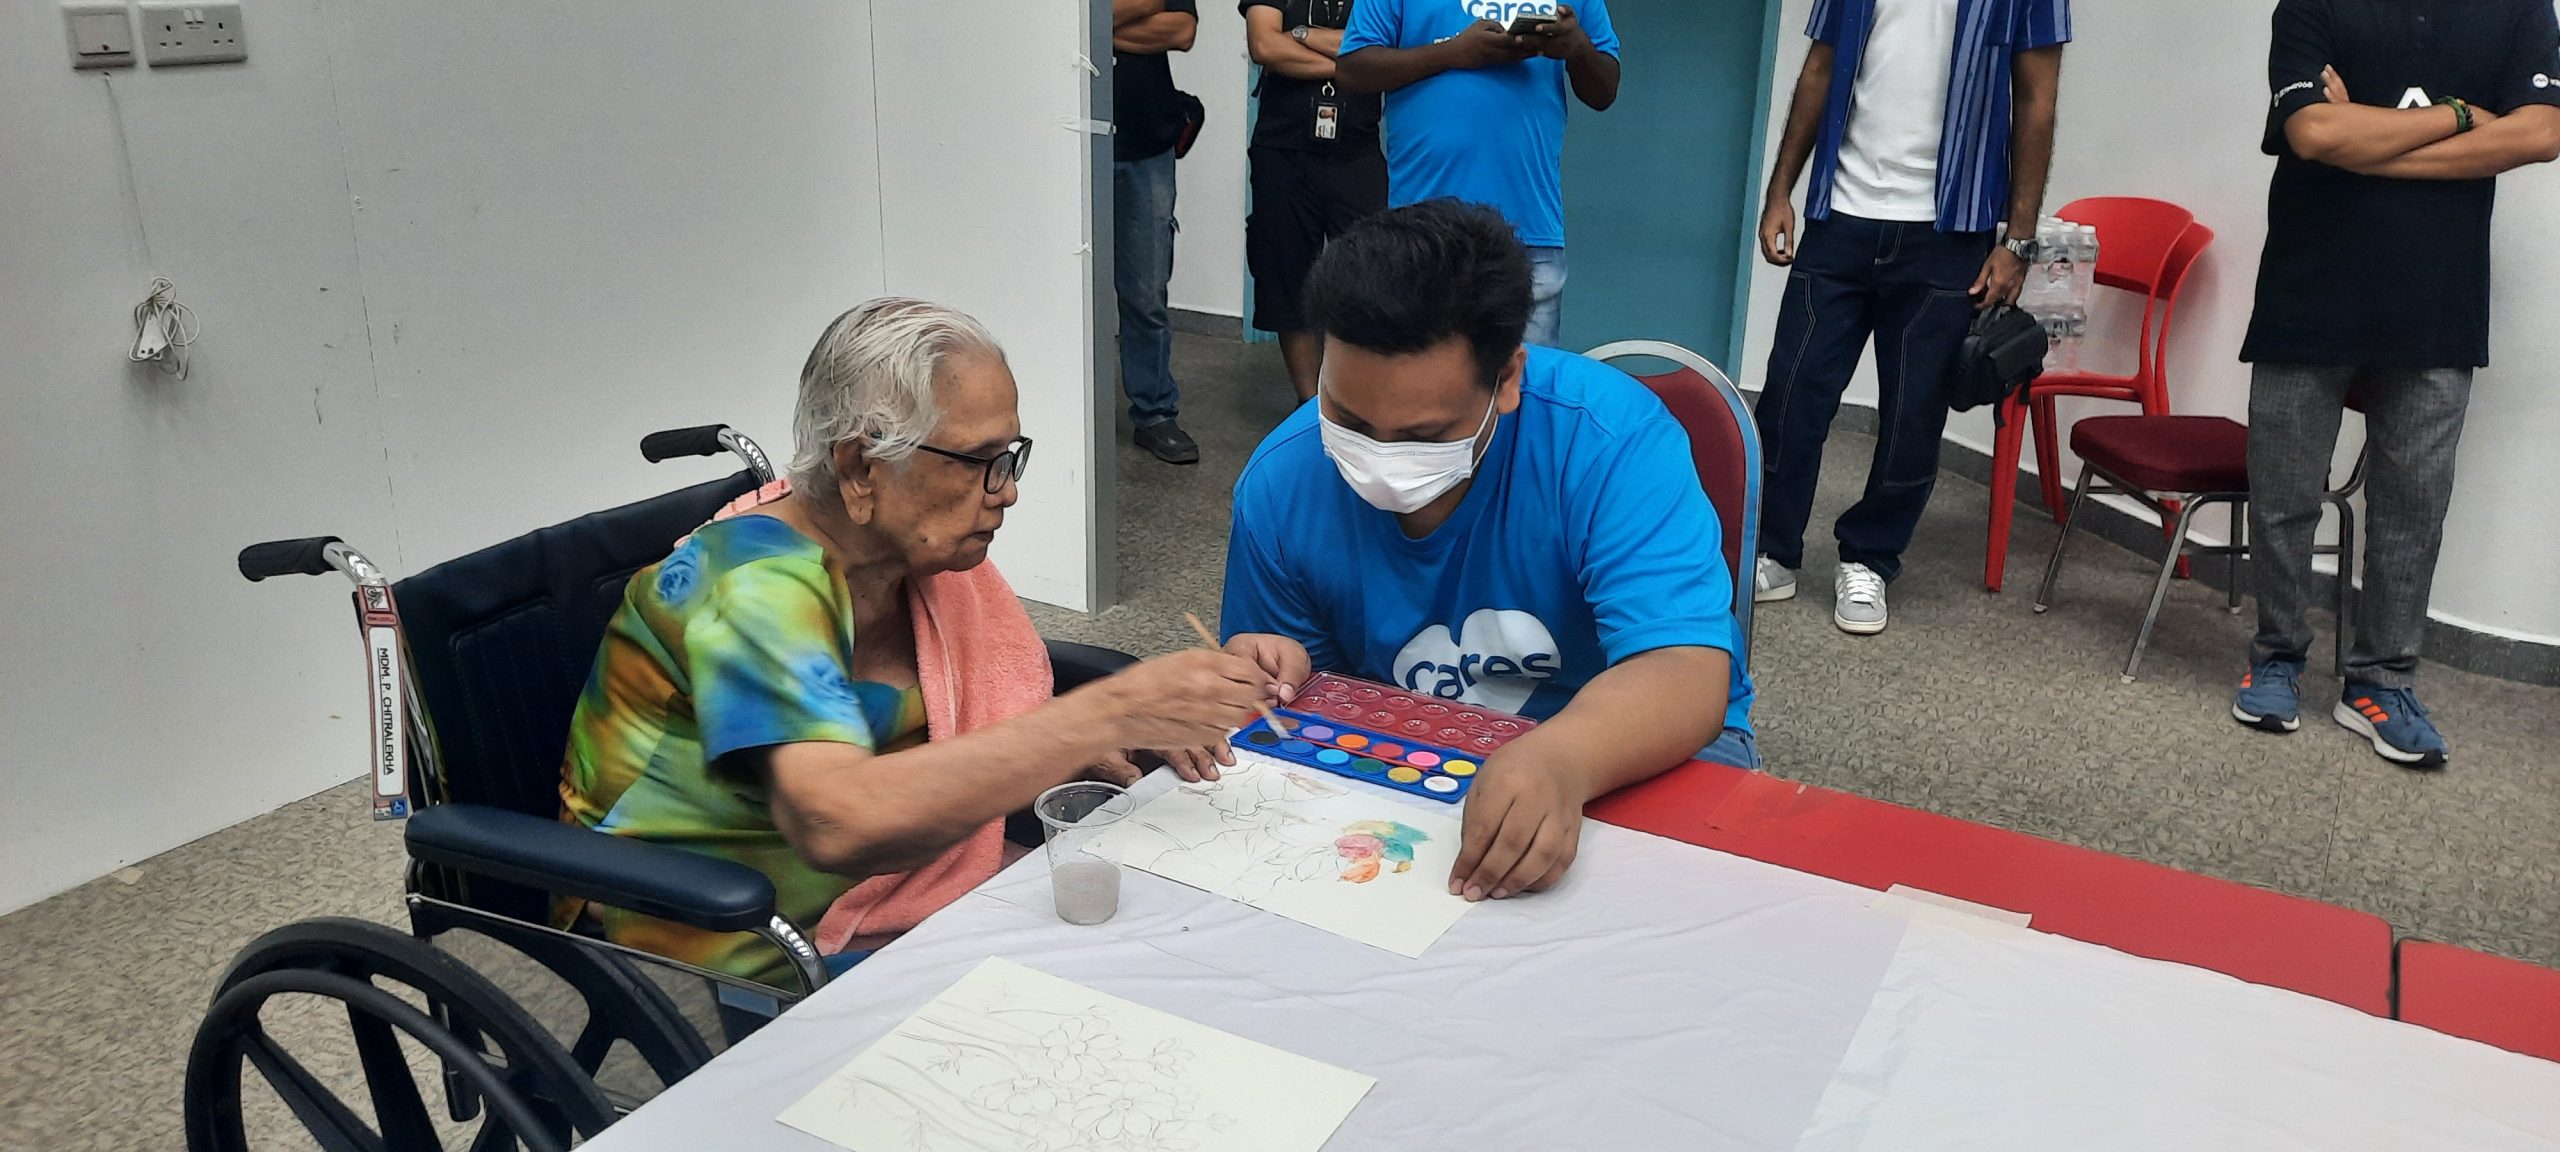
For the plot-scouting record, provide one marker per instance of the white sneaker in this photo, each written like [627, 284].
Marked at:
[1772, 581]
[1859, 601]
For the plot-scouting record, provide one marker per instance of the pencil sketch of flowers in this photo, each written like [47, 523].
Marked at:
[1080, 1047]
[1019, 1096]
[1169, 1057]
[1117, 1110]
[1057, 1068]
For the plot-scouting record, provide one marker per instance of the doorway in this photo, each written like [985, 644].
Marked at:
[1661, 191]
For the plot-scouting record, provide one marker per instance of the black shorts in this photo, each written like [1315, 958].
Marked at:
[1300, 200]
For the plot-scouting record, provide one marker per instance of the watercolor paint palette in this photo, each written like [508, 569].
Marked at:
[1376, 732]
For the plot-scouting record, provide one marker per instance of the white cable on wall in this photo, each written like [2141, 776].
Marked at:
[162, 329]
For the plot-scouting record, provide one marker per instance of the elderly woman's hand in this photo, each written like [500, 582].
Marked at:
[1192, 764]
[1184, 700]
[1180, 707]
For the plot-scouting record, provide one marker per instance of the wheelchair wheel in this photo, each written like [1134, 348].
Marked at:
[622, 1005]
[493, 1054]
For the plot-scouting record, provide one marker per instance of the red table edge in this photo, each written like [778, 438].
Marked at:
[2496, 1000]
[2133, 906]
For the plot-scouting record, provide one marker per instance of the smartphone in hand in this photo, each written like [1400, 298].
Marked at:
[1526, 24]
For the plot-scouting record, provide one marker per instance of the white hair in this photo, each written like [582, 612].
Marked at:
[871, 379]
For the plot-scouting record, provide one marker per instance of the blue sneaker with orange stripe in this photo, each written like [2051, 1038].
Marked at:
[2395, 722]
[2270, 698]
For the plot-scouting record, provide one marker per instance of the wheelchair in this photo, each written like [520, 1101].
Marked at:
[473, 669]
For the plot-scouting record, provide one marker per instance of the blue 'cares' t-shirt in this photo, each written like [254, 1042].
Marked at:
[1487, 135]
[1584, 541]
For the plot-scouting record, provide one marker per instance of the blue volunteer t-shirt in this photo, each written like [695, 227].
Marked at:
[1584, 541]
[1488, 135]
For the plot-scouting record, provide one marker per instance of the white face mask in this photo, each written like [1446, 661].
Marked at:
[1401, 477]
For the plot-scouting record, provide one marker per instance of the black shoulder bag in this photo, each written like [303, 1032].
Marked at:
[2002, 354]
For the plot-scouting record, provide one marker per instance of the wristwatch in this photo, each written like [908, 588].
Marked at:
[1299, 33]
[2022, 247]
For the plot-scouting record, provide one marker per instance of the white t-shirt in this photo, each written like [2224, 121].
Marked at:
[1889, 156]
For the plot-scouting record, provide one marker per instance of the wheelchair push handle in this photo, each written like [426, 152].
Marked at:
[674, 442]
[305, 557]
[707, 440]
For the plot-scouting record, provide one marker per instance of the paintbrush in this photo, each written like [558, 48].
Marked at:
[1209, 640]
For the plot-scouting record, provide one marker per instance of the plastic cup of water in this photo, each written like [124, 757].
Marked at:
[1085, 886]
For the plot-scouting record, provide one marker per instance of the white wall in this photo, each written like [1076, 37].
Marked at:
[147, 693]
[983, 207]
[452, 261]
[1208, 255]
[2163, 98]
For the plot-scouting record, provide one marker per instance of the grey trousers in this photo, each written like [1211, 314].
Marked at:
[2413, 423]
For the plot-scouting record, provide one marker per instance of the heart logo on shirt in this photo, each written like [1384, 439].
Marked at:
[1497, 659]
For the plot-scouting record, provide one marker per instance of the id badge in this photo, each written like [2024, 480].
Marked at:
[1328, 114]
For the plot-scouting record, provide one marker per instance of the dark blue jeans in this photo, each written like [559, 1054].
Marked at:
[1142, 242]
[1904, 285]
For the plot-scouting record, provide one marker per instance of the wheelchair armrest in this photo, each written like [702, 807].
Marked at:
[1073, 665]
[567, 860]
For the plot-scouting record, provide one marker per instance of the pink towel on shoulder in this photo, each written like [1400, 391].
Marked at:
[979, 660]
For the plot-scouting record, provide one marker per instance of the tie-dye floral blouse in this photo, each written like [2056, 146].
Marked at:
[740, 639]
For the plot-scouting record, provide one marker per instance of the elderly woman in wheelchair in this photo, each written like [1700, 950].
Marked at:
[818, 709]
[834, 687]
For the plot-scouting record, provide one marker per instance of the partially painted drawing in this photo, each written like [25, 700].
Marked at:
[1368, 845]
[1014, 1060]
[1352, 863]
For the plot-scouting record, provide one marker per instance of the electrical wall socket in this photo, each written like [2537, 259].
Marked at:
[191, 33]
[101, 33]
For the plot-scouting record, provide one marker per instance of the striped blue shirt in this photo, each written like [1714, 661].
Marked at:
[1973, 151]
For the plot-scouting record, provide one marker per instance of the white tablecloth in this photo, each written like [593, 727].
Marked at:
[1664, 996]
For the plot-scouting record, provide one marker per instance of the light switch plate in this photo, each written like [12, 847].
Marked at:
[191, 33]
[101, 33]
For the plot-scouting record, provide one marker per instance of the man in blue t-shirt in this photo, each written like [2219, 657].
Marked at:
[1476, 113]
[1515, 527]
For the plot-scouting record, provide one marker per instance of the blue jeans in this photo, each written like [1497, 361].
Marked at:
[1546, 297]
[1737, 747]
[1904, 284]
[1142, 243]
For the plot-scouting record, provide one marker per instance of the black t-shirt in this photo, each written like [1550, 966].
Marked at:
[1287, 115]
[1146, 118]
[2366, 270]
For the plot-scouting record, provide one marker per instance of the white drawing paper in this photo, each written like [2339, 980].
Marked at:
[1011, 1059]
[2022, 1041]
[1300, 845]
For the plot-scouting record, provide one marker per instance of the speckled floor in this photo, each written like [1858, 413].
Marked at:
[1970, 705]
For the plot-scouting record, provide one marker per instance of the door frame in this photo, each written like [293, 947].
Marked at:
[1754, 185]
[1102, 309]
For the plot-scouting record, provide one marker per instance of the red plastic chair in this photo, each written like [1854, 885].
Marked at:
[1723, 443]
[2145, 247]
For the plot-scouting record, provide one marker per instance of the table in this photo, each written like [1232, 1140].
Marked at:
[2146, 909]
[1650, 955]
[1663, 996]
[2491, 999]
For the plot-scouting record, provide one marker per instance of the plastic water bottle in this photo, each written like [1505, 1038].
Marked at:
[2053, 294]
[2084, 288]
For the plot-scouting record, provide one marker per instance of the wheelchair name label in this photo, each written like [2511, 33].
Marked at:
[390, 773]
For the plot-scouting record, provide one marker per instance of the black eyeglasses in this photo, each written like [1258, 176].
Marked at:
[1006, 465]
